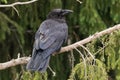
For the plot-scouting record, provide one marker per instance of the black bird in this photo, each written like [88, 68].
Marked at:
[52, 33]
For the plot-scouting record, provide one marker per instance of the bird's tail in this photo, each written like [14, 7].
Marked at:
[38, 62]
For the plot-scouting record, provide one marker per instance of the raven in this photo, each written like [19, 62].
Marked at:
[50, 36]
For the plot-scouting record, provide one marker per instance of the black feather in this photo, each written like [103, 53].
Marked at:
[49, 38]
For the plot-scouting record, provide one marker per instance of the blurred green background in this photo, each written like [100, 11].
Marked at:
[17, 32]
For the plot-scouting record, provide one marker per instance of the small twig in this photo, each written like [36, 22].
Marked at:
[53, 72]
[79, 1]
[18, 3]
[71, 56]
[88, 53]
[83, 61]
[101, 49]
[15, 10]
[18, 56]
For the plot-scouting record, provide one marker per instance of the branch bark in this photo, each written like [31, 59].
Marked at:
[24, 60]
[18, 3]
[14, 62]
[90, 38]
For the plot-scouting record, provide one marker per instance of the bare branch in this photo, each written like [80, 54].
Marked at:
[79, 1]
[90, 38]
[18, 3]
[24, 60]
[14, 62]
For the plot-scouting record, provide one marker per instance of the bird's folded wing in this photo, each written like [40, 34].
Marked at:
[44, 43]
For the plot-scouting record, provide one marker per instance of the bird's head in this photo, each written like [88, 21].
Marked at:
[58, 13]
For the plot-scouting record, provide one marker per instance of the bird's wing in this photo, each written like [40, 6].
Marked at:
[44, 37]
[44, 43]
[47, 35]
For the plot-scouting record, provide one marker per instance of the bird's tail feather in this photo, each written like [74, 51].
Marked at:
[38, 62]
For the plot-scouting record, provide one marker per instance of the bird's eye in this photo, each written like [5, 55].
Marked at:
[58, 15]
[61, 12]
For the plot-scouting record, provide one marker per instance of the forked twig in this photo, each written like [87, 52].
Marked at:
[83, 61]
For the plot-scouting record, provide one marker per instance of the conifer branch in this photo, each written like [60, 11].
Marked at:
[24, 60]
[18, 3]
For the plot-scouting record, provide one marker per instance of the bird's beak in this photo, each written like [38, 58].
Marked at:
[66, 11]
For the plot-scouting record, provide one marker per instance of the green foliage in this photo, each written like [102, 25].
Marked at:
[114, 12]
[57, 4]
[90, 19]
[7, 25]
[27, 76]
[113, 54]
[5, 29]
[107, 53]
[4, 1]
[93, 72]
[35, 76]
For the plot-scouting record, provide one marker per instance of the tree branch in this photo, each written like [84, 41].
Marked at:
[14, 62]
[24, 60]
[90, 38]
[18, 3]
